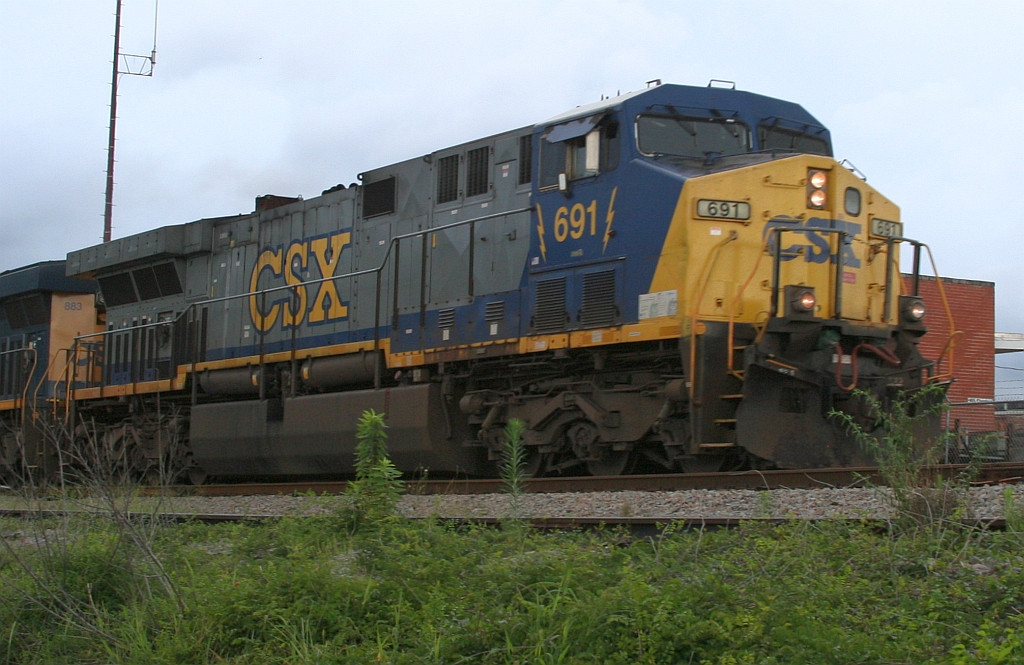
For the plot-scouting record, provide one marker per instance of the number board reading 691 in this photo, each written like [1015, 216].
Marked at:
[723, 209]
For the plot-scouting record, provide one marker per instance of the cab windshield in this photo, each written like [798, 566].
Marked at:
[774, 137]
[684, 136]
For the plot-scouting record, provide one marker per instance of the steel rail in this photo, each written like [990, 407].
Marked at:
[1009, 472]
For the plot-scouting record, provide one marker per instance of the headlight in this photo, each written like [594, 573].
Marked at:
[817, 182]
[800, 301]
[805, 302]
[913, 309]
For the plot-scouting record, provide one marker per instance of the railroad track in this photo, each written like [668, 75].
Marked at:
[751, 480]
[567, 503]
[636, 526]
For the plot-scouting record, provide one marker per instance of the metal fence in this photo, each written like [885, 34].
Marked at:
[1003, 441]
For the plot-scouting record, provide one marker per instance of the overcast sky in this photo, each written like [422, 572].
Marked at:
[254, 97]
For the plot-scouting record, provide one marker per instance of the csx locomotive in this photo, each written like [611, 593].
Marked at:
[677, 278]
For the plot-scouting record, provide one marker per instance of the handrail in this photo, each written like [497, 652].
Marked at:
[43, 379]
[776, 279]
[698, 295]
[948, 347]
[28, 379]
[26, 350]
[954, 334]
[263, 293]
[28, 375]
[837, 296]
[68, 377]
[28, 387]
[734, 306]
[890, 285]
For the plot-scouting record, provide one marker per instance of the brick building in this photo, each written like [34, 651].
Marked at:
[970, 355]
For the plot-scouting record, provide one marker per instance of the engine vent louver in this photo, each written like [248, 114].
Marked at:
[446, 318]
[525, 159]
[598, 307]
[379, 197]
[550, 315]
[448, 179]
[477, 171]
[495, 311]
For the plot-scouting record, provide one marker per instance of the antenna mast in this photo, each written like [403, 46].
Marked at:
[135, 65]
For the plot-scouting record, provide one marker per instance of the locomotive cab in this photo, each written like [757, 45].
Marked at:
[719, 218]
[41, 312]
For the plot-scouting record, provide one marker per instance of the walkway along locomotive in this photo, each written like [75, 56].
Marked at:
[678, 277]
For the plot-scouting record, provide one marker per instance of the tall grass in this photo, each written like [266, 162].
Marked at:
[301, 590]
[902, 456]
[513, 466]
[377, 488]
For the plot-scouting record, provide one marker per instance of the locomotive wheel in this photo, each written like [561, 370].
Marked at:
[9, 460]
[611, 463]
[703, 464]
[601, 460]
[196, 475]
[536, 464]
[10, 478]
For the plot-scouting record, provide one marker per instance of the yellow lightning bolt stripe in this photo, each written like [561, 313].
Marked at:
[540, 235]
[608, 220]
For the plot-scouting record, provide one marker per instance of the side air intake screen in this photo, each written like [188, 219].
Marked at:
[379, 197]
[551, 313]
[477, 161]
[525, 159]
[598, 307]
[448, 179]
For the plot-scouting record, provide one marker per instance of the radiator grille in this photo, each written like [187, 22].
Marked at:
[446, 318]
[477, 171]
[551, 314]
[525, 159]
[448, 179]
[598, 308]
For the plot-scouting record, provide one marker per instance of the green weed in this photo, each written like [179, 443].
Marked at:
[513, 463]
[821, 593]
[895, 443]
[377, 488]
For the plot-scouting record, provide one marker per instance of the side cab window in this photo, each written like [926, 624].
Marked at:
[578, 149]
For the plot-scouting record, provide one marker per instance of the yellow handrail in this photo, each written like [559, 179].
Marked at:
[709, 262]
[28, 382]
[954, 334]
[734, 306]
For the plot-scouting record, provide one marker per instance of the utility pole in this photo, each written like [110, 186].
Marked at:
[140, 62]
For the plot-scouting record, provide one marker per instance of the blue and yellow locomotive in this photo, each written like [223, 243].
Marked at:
[679, 278]
[41, 313]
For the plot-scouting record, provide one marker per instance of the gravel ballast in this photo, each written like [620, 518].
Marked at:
[986, 503]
